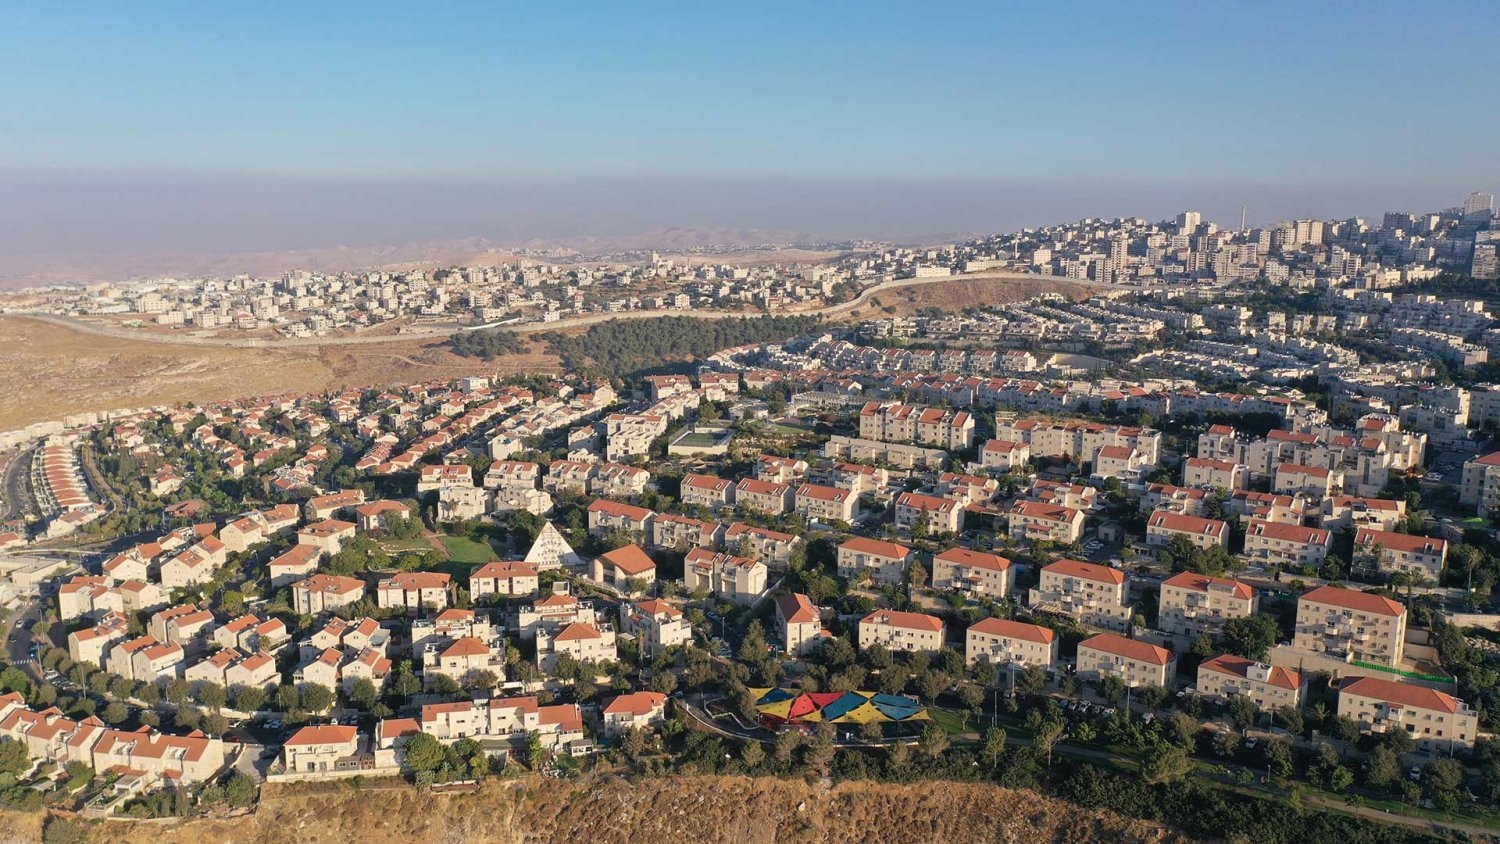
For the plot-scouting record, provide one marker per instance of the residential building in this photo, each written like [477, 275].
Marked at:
[1399, 553]
[1192, 604]
[738, 579]
[1208, 473]
[1351, 625]
[1227, 676]
[975, 574]
[1092, 594]
[826, 503]
[1274, 543]
[624, 568]
[901, 631]
[1436, 721]
[1034, 521]
[503, 579]
[886, 562]
[637, 710]
[1133, 662]
[799, 623]
[656, 626]
[1163, 526]
[1010, 643]
[324, 593]
[933, 514]
[413, 591]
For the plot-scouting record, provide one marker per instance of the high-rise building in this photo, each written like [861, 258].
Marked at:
[1478, 203]
[1189, 221]
[1486, 263]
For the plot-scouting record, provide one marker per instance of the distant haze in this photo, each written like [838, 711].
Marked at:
[72, 226]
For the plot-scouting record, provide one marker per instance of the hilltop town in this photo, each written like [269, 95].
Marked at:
[1220, 531]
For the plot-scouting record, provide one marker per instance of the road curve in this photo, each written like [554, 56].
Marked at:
[534, 327]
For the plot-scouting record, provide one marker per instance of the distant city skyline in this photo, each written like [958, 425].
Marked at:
[169, 130]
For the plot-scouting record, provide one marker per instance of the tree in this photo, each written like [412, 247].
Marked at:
[934, 741]
[406, 683]
[1383, 769]
[315, 697]
[116, 712]
[898, 757]
[13, 757]
[933, 683]
[364, 694]
[249, 698]
[1278, 757]
[752, 754]
[1251, 637]
[424, 753]
[1166, 763]
[994, 746]
[286, 698]
[1244, 712]
[65, 831]
[212, 695]
[786, 744]
[1443, 780]
[972, 697]
[1226, 744]
[819, 752]
[635, 743]
[1047, 737]
[240, 790]
[1183, 730]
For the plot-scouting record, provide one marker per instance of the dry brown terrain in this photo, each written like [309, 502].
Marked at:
[958, 294]
[605, 811]
[48, 371]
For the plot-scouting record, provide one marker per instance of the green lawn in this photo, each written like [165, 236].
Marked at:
[953, 722]
[465, 550]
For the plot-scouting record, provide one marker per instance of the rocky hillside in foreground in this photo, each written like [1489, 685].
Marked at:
[604, 811]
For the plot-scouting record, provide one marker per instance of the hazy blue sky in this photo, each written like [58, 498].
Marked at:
[270, 125]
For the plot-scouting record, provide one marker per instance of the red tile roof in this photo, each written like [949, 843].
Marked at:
[1350, 599]
[1418, 697]
[1240, 667]
[1086, 571]
[1014, 630]
[905, 620]
[1128, 648]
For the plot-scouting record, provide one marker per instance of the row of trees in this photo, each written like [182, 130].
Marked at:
[621, 347]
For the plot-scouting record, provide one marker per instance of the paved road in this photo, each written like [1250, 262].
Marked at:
[18, 652]
[533, 327]
[15, 484]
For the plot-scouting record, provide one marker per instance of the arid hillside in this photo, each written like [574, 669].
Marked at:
[606, 811]
[958, 294]
[49, 370]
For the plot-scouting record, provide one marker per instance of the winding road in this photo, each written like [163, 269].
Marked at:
[534, 327]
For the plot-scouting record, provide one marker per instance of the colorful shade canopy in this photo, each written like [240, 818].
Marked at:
[788, 705]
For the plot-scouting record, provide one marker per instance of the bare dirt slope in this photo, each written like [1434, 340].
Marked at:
[958, 294]
[606, 811]
[48, 371]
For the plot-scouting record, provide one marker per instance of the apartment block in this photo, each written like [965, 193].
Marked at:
[1436, 721]
[1227, 676]
[1135, 663]
[1192, 604]
[975, 574]
[1351, 625]
[901, 631]
[1014, 643]
[1092, 594]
